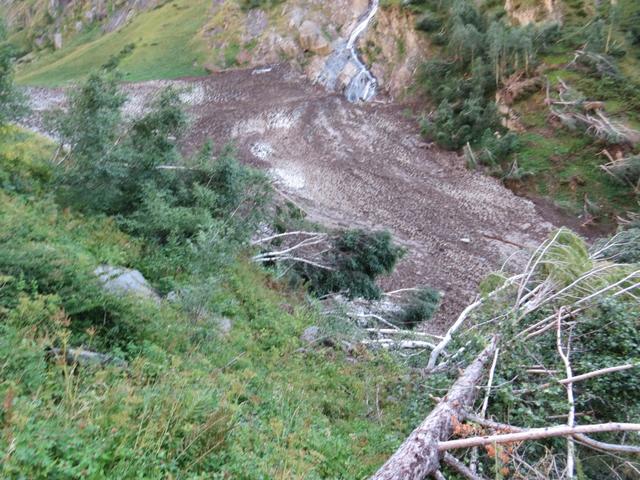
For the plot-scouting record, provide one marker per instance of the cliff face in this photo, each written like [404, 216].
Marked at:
[395, 49]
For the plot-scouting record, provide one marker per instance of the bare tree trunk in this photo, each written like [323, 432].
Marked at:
[418, 456]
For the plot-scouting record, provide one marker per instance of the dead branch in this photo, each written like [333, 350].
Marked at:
[391, 331]
[570, 469]
[484, 422]
[597, 373]
[537, 434]
[283, 235]
[605, 447]
[418, 456]
[465, 313]
[401, 290]
[379, 318]
[387, 343]
[461, 468]
[280, 253]
[579, 437]
[485, 403]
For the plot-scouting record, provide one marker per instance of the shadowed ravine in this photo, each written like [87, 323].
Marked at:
[357, 165]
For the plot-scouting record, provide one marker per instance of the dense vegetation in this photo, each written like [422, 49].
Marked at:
[602, 333]
[212, 383]
[479, 54]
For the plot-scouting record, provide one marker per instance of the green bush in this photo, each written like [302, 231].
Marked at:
[356, 259]
[420, 307]
[195, 211]
[12, 101]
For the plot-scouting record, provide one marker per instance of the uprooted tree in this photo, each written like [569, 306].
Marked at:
[560, 356]
[346, 262]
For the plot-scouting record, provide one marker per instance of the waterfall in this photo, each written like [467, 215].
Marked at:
[362, 85]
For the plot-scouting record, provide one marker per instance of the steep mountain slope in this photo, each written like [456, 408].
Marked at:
[170, 39]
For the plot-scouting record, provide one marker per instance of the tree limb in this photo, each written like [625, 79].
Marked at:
[597, 373]
[461, 468]
[537, 434]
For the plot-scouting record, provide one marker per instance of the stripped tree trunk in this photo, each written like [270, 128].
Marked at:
[418, 456]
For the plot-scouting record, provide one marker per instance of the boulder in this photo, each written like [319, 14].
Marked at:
[57, 40]
[125, 281]
[312, 38]
[311, 334]
[225, 325]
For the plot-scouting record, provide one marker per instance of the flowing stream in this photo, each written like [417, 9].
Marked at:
[361, 86]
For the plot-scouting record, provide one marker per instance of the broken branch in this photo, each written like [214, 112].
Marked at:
[537, 434]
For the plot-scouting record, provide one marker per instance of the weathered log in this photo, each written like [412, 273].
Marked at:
[418, 456]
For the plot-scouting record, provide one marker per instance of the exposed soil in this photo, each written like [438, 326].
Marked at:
[361, 166]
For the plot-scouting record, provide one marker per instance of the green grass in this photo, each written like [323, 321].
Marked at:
[195, 402]
[566, 168]
[167, 45]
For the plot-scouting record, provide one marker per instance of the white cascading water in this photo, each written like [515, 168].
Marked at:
[362, 85]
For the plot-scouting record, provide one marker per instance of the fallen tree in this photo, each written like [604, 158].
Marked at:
[419, 456]
[552, 315]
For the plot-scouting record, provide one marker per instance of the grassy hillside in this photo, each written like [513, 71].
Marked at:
[160, 43]
[247, 403]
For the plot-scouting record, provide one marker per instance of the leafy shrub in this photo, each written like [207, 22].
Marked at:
[356, 260]
[114, 60]
[12, 102]
[420, 307]
[624, 247]
[184, 208]
[23, 168]
[495, 147]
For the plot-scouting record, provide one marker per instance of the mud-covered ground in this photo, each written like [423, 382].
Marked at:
[360, 166]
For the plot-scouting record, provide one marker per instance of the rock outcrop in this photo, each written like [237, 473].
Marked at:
[312, 39]
[524, 13]
[125, 281]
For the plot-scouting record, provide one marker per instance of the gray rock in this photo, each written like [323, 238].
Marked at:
[310, 334]
[117, 20]
[295, 18]
[124, 281]
[256, 23]
[225, 325]
[173, 297]
[57, 40]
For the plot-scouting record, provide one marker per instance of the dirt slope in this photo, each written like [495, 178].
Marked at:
[360, 166]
